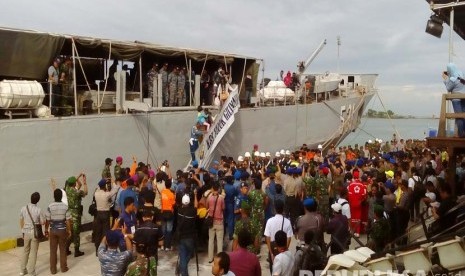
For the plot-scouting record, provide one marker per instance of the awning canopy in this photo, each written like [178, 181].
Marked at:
[27, 54]
[444, 13]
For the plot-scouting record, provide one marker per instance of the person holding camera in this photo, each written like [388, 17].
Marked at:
[75, 195]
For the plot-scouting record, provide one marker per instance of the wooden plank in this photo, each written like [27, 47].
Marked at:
[452, 96]
[445, 142]
[455, 115]
[442, 118]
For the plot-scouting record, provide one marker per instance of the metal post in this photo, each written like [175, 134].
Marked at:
[74, 81]
[190, 82]
[98, 97]
[451, 51]
[141, 95]
[50, 94]
[159, 91]
[197, 91]
[338, 46]
[451, 34]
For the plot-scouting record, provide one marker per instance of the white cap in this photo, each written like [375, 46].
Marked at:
[282, 152]
[277, 154]
[369, 141]
[257, 153]
[288, 152]
[320, 146]
[336, 207]
[262, 155]
[268, 154]
[240, 158]
[247, 154]
[186, 199]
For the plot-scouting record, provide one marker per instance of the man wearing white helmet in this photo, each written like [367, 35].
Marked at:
[186, 231]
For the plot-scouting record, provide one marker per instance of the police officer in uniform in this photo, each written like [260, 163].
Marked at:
[164, 83]
[75, 195]
[243, 196]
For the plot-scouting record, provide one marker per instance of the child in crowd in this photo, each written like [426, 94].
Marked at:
[202, 117]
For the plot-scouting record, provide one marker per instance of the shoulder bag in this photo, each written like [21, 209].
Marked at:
[209, 219]
[38, 233]
[93, 207]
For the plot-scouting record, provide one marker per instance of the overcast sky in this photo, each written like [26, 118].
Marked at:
[378, 36]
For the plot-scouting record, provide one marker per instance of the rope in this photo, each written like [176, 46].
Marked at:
[243, 73]
[106, 80]
[362, 128]
[80, 64]
[362, 100]
[389, 117]
[204, 63]
[343, 126]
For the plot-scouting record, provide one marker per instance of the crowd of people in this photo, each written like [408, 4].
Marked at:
[139, 210]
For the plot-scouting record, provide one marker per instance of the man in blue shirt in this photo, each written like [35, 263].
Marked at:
[231, 193]
[128, 215]
[244, 189]
[130, 191]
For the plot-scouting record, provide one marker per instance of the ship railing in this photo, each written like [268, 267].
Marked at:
[446, 115]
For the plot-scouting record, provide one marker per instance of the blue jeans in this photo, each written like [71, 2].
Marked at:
[167, 228]
[459, 106]
[230, 219]
[193, 148]
[186, 251]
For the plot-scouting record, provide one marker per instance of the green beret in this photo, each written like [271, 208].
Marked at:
[71, 180]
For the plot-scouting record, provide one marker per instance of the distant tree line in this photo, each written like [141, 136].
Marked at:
[382, 114]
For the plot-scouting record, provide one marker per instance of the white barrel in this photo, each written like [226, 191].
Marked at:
[21, 94]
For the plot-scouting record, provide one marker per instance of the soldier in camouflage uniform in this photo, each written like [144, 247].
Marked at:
[380, 230]
[75, 195]
[243, 223]
[173, 86]
[181, 96]
[152, 75]
[257, 204]
[139, 266]
[118, 169]
[318, 188]
[164, 83]
[106, 173]
[322, 185]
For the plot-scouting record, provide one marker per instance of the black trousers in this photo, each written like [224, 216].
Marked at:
[100, 225]
[292, 209]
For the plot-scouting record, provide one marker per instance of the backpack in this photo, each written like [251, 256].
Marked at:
[419, 189]
[312, 259]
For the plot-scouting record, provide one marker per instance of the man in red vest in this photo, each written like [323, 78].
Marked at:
[357, 194]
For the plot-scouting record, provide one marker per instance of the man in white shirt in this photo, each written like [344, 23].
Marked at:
[275, 224]
[284, 260]
[342, 200]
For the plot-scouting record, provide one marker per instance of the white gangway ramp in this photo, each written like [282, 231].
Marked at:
[218, 129]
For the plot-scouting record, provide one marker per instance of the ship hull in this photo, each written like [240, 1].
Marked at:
[35, 150]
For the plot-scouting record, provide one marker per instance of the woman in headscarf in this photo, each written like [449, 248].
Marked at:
[455, 83]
